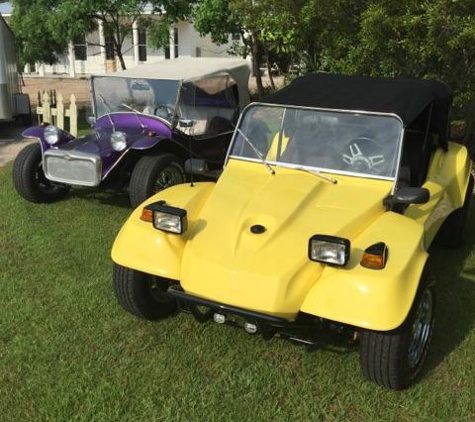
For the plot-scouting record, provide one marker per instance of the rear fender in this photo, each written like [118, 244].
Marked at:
[373, 299]
[138, 244]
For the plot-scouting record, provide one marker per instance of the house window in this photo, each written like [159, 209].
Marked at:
[175, 41]
[109, 46]
[167, 52]
[142, 38]
[80, 48]
[236, 36]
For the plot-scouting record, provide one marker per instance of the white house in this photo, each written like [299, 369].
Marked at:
[93, 53]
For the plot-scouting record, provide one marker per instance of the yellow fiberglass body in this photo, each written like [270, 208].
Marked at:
[219, 258]
[332, 192]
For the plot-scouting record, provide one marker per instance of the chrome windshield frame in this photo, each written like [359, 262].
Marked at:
[323, 170]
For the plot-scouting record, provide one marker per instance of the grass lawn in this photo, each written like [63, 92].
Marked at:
[68, 352]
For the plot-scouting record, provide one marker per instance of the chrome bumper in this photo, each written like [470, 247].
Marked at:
[72, 167]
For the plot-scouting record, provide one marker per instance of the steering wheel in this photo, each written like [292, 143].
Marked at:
[364, 155]
[164, 111]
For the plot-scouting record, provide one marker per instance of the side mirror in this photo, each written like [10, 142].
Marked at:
[406, 196]
[186, 123]
[196, 166]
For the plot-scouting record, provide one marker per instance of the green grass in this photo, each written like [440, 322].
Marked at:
[68, 352]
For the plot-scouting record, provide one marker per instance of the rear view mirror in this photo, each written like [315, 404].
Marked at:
[186, 123]
[406, 196]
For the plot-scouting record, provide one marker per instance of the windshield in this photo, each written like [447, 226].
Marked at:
[330, 141]
[155, 97]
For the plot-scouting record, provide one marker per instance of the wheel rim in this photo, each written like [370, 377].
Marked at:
[421, 330]
[169, 176]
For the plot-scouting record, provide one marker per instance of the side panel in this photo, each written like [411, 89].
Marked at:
[447, 182]
[373, 299]
[142, 247]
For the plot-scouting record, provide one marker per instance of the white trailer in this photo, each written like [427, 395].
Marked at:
[12, 102]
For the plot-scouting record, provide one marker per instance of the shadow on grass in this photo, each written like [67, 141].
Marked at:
[116, 198]
[455, 276]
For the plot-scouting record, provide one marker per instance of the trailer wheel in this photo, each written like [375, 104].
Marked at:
[29, 179]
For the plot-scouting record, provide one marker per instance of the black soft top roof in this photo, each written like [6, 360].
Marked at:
[406, 98]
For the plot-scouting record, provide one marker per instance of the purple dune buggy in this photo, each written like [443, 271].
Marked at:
[148, 121]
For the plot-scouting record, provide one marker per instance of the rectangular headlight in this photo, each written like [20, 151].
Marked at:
[329, 249]
[167, 218]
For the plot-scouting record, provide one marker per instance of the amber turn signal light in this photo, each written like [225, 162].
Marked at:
[375, 256]
[147, 215]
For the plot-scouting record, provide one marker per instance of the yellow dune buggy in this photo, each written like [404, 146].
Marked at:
[332, 192]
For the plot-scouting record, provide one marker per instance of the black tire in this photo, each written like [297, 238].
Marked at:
[29, 179]
[153, 173]
[393, 359]
[452, 232]
[143, 295]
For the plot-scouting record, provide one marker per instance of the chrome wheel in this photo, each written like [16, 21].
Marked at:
[421, 329]
[168, 176]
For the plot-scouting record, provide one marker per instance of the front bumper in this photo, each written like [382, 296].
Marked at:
[72, 167]
[305, 329]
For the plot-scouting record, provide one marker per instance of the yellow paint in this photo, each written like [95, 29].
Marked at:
[220, 259]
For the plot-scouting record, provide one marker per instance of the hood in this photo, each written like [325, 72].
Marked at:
[270, 272]
[98, 142]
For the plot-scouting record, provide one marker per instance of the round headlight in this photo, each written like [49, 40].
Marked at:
[51, 134]
[118, 141]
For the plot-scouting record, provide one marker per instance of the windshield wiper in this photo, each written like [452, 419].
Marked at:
[136, 114]
[318, 173]
[109, 111]
[257, 152]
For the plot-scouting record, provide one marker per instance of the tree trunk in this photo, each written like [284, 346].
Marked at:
[269, 69]
[256, 66]
[121, 59]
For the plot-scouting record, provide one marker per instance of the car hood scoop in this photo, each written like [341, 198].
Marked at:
[269, 271]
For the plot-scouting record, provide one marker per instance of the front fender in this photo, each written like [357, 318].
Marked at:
[138, 244]
[146, 142]
[38, 133]
[373, 299]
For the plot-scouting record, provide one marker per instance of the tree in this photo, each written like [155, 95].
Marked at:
[252, 19]
[44, 28]
[422, 40]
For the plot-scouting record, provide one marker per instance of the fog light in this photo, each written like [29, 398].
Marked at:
[219, 318]
[250, 328]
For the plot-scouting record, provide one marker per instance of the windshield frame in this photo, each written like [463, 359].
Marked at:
[174, 120]
[323, 170]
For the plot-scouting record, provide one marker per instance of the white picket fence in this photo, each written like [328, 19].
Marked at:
[52, 110]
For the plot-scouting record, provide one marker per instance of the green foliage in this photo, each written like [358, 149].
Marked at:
[43, 28]
[70, 353]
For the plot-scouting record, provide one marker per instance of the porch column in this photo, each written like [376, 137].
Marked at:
[102, 46]
[172, 43]
[135, 42]
[72, 60]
